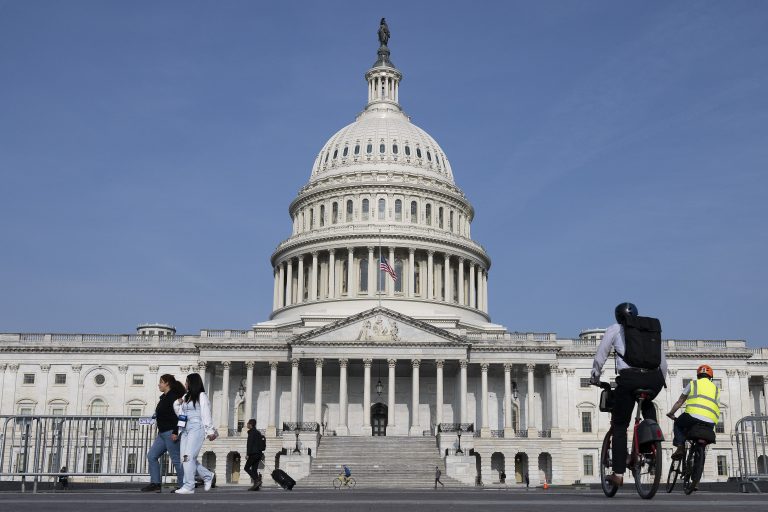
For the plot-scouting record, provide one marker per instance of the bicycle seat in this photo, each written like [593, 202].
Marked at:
[644, 393]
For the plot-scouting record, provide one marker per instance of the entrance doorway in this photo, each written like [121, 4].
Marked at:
[379, 419]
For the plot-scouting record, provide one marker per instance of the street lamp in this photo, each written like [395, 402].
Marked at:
[458, 450]
[296, 450]
[379, 385]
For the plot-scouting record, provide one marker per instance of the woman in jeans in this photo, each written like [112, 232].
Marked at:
[195, 424]
[167, 432]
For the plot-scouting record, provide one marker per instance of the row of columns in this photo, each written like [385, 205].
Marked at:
[383, 87]
[415, 427]
[283, 276]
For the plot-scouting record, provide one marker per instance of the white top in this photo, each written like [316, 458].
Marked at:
[204, 406]
[686, 392]
[614, 339]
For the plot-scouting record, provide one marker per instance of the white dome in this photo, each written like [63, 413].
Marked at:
[358, 147]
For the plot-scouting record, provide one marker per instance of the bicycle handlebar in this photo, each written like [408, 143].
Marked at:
[603, 385]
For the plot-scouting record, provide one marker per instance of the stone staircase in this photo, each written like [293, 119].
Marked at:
[378, 462]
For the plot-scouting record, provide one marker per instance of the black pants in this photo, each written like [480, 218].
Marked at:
[252, 465]
[684, 422]
[627, 382]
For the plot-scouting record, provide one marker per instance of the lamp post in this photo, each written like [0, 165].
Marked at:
[458, 450]
[379, 385]
[296, 450]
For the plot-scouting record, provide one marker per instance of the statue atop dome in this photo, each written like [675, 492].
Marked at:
[383, 32]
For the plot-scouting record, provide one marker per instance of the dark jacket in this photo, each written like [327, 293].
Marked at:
[254, 442]
[165, 417]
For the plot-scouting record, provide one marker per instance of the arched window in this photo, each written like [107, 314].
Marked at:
[326, 157]
[363, 279]
[399, 272]
[369, 148]
[322, 215]
[382, 148]
[98, 407]
[357, 149]
[336, 153]
[414, 212]
[429, 156]
[394, 149]
[365, 209]
[398, 210]
[382, 208]
[418, 152]
[440, 217]
[350, 210]
[303, 226]
[417, 279]
[450, 220]
[346, 151]
[311, 218]
[407, 150]
[335, 213]
[428, 214]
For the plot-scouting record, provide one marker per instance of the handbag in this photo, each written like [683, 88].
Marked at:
[214, 436]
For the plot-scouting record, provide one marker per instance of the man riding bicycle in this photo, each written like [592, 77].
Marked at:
[640, 364]
[702, 407]
[345, 475]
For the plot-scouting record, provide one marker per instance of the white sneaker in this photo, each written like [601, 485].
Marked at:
[207, 484]
[184, 490]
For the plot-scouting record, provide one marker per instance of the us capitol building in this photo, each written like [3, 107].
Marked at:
[354, 363]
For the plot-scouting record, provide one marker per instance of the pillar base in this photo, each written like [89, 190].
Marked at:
[509, 432]
[366, 431]
[533, 433]
[485, 432]
[271, 431]
[342, 430]
[416, 431]
[555, 432]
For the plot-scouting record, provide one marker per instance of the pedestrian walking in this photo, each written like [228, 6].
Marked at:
[527, 481]
[64, 478]
[257, 443]
[167, 439]
[437, 477]
[195, 425]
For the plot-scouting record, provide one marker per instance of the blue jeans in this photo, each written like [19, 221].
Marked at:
[162, 444]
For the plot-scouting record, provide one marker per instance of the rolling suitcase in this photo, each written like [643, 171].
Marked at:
[283, 480]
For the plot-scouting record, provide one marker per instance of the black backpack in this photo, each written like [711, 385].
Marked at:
[262, 443]
[642, 342]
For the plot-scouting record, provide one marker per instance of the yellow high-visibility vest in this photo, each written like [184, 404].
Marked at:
[703, 400]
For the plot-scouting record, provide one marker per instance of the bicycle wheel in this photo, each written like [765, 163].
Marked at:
[647, 470]
[351, 483]
[337, 483]
[605, 465]
[696, 465]
[674, 471]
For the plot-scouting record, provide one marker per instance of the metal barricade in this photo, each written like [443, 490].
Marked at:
[751, 433]
[98, 447]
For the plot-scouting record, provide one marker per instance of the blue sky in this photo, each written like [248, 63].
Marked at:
[612, 150]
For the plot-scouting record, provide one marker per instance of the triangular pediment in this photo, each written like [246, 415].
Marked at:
[378, 325]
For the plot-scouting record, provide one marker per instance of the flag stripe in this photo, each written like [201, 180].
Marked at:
[386, 267]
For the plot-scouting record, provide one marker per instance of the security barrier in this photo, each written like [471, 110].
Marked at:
[751, 434]
[46, 447]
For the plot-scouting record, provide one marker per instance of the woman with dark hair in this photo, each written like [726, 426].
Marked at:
[167, 432]
[195, 424]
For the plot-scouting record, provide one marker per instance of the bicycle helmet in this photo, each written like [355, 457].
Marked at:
[705, 371]
[624, 310]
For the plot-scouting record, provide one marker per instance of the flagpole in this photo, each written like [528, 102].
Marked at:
[378, 267]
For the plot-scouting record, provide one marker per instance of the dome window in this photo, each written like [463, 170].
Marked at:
[398, 210]
[429, 156]
[357, 149]
[350, 210]
[382, 148]
[418, 152]
[336, 153]
[369, 149]
[346, 151]
[365, 209]
[407, 150]
[429, 214]
[414, 212]
[440, 217]
[394, 149]
[326, 157]
[382, 208]
[335, 213]
[322, 215]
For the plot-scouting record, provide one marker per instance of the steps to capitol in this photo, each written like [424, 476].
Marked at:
[378, 462]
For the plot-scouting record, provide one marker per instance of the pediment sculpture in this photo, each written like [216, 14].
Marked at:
[378, 330]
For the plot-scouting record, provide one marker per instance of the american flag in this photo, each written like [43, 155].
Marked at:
[386, 267]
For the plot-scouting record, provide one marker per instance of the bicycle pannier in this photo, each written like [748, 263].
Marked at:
[607, 400]
[649, 431]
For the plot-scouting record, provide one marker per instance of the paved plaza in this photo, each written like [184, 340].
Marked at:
[329, 500]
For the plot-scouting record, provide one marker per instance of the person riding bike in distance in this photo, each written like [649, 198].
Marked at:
[345, 475]
[702, 407]
[640, 364]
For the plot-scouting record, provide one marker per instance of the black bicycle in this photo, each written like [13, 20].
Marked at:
[691, 464]
[645, 456]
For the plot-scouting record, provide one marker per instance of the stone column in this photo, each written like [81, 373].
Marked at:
[571, 384]
[461, 281]
[202, 368]
[529, 417]
[447, 280]
[390, 281]
[391, 394]
[275, 295]
[485, 429]
[485, 290]
[332, 273]
[554, 371]
[509, 431]
[439, 392]
[224, 420]
[746, 402]
[430, 275]
[271, 430]
[300, 284]
[372, 266]
[351, 289]
[289, 283]
[411, 271]
[416, 429]
[248, 392]
[472, 294]
[463, 390]
[765, 395]
[342, 429]
[281, 289]
[295, 390]
[367, 396]
[480, 293]
[313, 291]
[319, 390]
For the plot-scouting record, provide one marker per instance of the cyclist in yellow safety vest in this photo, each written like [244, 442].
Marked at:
[702, 407]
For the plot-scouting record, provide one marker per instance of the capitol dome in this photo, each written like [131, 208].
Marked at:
[381, 194]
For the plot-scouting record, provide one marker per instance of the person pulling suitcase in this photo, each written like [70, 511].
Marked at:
[255, 447]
